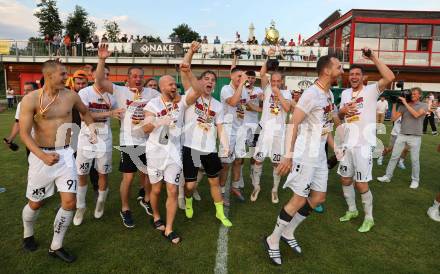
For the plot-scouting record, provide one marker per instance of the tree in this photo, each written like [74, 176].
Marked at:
[48, 18]
[184, 33]
[78, 22]
[112, 30]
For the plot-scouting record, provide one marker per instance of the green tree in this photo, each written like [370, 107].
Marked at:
[184, 33]
[78, 22]
[112, 30]
[48, 18]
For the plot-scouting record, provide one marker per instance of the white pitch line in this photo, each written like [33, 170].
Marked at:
[221, 260]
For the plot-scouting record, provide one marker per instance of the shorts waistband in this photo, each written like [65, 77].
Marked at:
[54, 148]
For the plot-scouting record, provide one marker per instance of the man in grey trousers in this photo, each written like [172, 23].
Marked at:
[412, 114]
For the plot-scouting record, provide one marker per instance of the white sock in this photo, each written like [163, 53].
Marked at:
[258, 169]
[367, 201]
[223, 189]
[241, 181]
[436, 204]
[236, 184]
[276, 181]
[62, 222]
[274, 238]
[401, 160]
[288, 233]
[102, 195]
[350, 197]
[81, 196]
[252, 173]
[181, 190]
[29, 216]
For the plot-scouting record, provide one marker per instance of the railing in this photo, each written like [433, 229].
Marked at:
[207, 51]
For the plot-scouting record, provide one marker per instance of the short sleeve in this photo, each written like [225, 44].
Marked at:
[425, 107]
[226, 93]
[150, 108]
[307, 102]
[401, 109]
[83, 95]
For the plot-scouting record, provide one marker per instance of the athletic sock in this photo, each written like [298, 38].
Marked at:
[81, 196]
[252, 173]
[220, 213]
[223, 188]
[241, 181]
[401, 160]
[181, 191]
[436, 205]
[288, 233]
[276, 181]
[29, 217]
[367, 201]
[258, 169]
[102, 195]
[62, 222]
[236, 184]
[283, 221]
[350, 197]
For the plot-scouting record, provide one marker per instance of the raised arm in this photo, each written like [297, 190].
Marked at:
[100, 81]
[236, 97]
[188, 78]
[234, 62]
[285, 104]
[263, 70]
[384, 70]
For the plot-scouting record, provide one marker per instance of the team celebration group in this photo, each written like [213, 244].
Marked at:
[170, 140]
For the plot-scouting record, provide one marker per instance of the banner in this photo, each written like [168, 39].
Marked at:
[5, 47]
[158, 49]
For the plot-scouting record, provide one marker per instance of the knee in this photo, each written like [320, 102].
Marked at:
[127, 178]
[317, 200]
[172, 191]
[190, 186]
[69, 204]
[35, 205]
[155, 190]
[346, 181]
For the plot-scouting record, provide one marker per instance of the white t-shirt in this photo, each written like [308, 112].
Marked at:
[233, 115]
[96, 104]
[131, 132]
[313, 130]
[274, 116]
[397, 125]
[200, 131]
[9, 93]
[251, 117]
[382, 106]
[360, 128]
[172, 149]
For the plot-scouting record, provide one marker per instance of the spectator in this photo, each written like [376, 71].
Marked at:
[432, 106]
[76, 45]
[291, 43]
[283, 42]
[95, 41]
[316, 43]
[89, 45]
[131, 40]
[124, 38]
[10, 97]
[104, 39]
[216, 40]
[144, 39]
[67, 44]
[138, 39]
[381, 109]
[238, 40]
[151, 83]
[412, 114]
[56, 44]
[205, 40]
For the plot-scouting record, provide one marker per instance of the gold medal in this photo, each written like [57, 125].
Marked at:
[38, 117]
[276, 110]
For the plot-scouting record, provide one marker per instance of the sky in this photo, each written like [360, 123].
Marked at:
[210, 18]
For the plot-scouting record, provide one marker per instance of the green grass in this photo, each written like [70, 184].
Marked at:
[404, 239]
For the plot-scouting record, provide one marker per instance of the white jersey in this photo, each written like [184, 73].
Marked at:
[233, 115]
[360, 127]
[274, 116]
[201, 119]
[313, 130]
[397, 125]
[164, 142]
[131, 132]
[251, 117]
[97, 103]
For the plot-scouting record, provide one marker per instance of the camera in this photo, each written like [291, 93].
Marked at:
[406, 93]
[367, 52]
[247, 84]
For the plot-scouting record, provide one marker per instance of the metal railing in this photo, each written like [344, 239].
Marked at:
[207, 51]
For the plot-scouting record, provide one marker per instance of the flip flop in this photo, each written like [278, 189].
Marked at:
[172, 236]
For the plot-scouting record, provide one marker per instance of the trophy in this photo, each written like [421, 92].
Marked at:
[272, 36]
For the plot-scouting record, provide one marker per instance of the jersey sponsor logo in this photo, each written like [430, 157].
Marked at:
[98, 106]
[199, 109]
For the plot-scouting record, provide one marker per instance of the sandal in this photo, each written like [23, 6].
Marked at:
[158, 224]
[274, 254]
[172, 236]
[293, 244]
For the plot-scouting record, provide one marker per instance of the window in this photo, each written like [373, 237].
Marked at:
[392, 31]
[360, 43]
[367, 30]
[436, 35]
[392, 44]
[346, 31]
[435, 46]
[417, 45]
[419, 31]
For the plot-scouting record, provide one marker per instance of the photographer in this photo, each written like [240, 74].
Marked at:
[432, 106]
[412, 112]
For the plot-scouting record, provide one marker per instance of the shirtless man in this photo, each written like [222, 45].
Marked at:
[49, 112]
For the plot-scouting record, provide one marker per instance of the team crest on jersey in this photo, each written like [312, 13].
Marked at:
[200, 110]
[241, 107]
